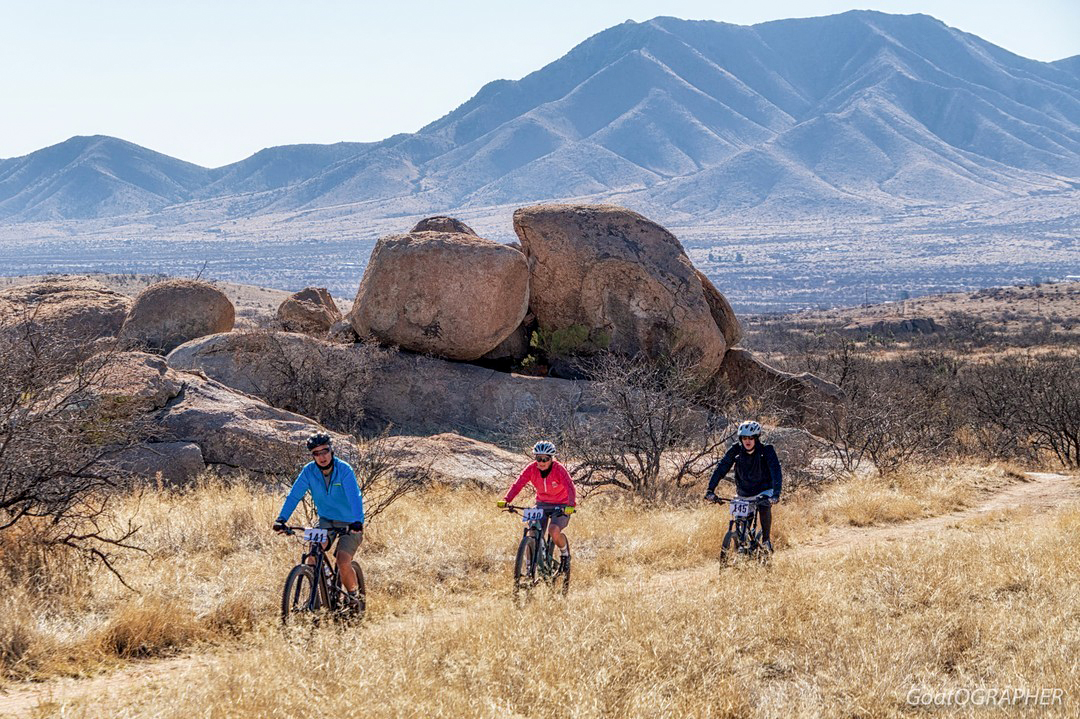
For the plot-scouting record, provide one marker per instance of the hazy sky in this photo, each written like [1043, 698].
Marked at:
[213, 81]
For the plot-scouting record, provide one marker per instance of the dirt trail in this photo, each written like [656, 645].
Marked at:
[1039, 492]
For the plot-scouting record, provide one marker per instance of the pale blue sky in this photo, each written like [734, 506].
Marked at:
[213, 81]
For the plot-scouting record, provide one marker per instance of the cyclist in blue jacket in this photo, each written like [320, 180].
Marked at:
[336, 494]
[757, 471]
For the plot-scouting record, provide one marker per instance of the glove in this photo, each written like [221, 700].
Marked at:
[710, 496]
[279, 526]
[356, 526]
[501, 504]
[774, 500]
[568, 510]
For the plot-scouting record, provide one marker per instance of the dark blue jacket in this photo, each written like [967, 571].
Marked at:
[754, 473]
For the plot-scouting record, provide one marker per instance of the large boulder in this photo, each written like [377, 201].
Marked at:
[721, 310]
[414, 393]
[172, 463]
[619, 276]
[231, 430]
[808, 401]
[170, 313]
[311, 310]
[64, 309]
[441, 223]
[449, 294]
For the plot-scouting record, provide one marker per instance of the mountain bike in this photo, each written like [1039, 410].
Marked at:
[314, 587]
[743, 537]
[535, 561]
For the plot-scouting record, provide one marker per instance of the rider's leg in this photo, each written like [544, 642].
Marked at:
[765, 517]
[348, 576]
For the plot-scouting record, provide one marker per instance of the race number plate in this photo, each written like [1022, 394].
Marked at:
[740, 509]
[532, 515]
[315, 535]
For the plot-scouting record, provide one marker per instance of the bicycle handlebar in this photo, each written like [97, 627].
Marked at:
[755, 498]
[330, 531]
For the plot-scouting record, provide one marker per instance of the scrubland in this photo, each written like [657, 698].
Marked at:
[652, 626]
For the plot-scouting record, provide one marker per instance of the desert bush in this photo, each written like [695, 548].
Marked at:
[321, 380]
[1030, 401]
[62, 428]
[661, 429]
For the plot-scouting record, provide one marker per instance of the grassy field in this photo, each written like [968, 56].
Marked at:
[651, 629]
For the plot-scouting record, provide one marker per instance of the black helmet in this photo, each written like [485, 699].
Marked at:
[318, 439]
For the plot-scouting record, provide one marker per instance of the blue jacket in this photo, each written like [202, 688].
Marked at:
[340, 501]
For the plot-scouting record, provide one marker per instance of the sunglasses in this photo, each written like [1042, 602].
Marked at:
[320, 452]
[543, 458]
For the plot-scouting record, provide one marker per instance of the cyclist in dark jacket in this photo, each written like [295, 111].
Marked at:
[757, 471]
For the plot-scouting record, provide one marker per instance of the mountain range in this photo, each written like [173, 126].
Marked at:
[686, 120]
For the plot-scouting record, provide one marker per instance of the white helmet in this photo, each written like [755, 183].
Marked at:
[749, 428]
[543, 447]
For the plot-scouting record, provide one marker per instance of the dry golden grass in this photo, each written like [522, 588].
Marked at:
[649, 630]
[847, 633]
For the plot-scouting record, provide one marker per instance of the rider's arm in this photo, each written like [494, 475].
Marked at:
[299, 489]
[352, 492]
[723, 467]
[516, 486]
[773, 463]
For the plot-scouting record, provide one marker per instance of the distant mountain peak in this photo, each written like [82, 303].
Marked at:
[693, 119]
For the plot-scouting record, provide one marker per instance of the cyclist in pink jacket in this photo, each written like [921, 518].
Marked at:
[554, 491]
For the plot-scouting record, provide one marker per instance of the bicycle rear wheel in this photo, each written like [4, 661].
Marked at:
[301, 593]
[524, 569]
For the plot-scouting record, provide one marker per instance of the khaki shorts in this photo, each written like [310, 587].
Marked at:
[347, 543]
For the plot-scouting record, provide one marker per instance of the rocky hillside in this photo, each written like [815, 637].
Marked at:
[680, 119]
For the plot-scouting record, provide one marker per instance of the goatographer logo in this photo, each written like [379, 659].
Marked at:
[986, 697]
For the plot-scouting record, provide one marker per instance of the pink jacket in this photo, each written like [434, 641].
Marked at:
[556, 488]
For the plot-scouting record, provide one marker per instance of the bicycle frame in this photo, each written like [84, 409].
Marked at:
[743, 529]
[544, 561]
[327, 582]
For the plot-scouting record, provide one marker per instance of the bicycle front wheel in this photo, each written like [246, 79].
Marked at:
[300, 594]
[728, 548]
[524, 569]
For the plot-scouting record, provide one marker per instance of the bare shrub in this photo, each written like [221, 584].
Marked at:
[1030, 401]
[61, 427]
[326, 382]
[659, 431]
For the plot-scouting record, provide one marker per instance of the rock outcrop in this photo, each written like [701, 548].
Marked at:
[230, 429]
[73, 310]
[311, 311]
[452, 295]
[622, 277]
[455, 460]
[809, 401]
[169, 313]
[417, 394]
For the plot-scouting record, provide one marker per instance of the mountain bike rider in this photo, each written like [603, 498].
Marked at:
[757, 471]
[336, 493]
[554, 490]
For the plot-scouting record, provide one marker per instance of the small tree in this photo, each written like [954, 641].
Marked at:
[659, 429]
[62, 429]
[1033, 400]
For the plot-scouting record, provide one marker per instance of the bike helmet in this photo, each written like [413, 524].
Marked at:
[749, 428]
[543, 447]
[318, 439]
